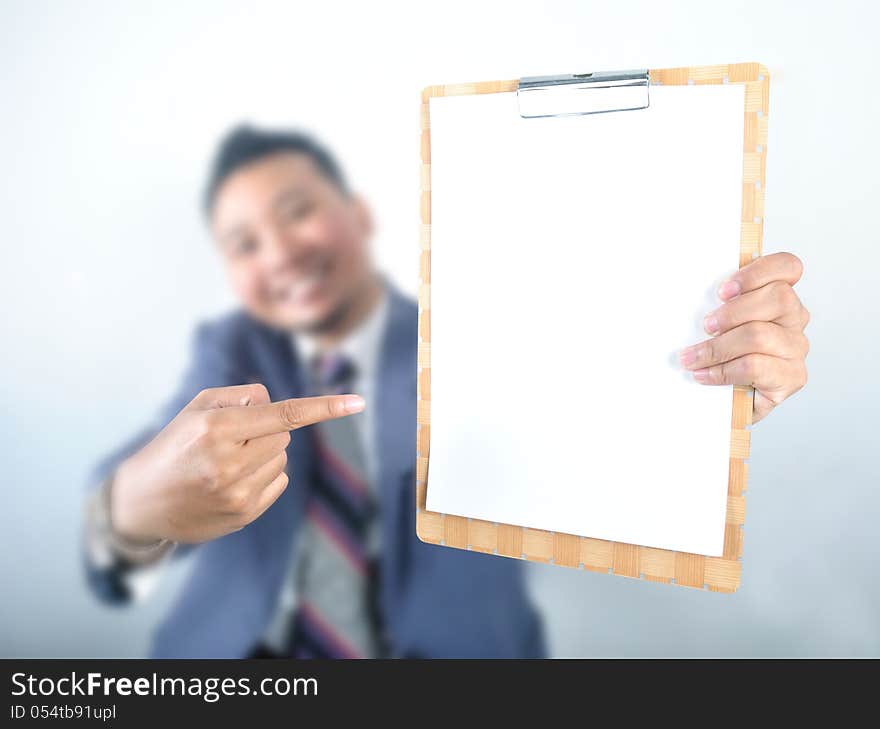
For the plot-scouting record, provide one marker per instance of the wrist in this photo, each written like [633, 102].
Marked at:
[126, 517]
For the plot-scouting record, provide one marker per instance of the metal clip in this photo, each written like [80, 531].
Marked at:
[583, 93]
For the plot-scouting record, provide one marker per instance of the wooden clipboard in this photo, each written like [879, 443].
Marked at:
[718, 574]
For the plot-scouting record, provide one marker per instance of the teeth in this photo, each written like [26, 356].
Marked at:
[296, 288]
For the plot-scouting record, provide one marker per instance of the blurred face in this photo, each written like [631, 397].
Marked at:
[294, 245]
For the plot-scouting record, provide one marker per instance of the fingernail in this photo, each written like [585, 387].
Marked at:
[710, 324]
[701, 376]
[729, 289]
[354, 403]
[688, 356]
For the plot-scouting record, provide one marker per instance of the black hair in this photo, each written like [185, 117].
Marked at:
[245, 144]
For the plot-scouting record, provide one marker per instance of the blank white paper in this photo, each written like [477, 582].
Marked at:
[571, 258]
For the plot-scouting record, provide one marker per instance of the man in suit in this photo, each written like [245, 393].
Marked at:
[331, 566]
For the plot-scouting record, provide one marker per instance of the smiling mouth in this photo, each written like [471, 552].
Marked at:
[305, 286]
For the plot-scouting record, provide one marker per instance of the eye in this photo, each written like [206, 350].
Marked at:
[243, 247]
[298, 210]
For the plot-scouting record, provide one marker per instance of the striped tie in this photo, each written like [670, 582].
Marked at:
[335, 616]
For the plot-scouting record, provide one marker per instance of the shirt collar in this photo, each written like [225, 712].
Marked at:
[362, 345]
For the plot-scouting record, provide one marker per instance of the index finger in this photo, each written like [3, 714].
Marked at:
[256, 421]
[775, 267]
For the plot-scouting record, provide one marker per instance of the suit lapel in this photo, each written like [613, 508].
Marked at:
[396, 429]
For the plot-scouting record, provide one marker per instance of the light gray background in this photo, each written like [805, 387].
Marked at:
[109, 113]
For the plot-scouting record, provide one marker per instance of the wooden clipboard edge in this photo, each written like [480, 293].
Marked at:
[717, 574]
